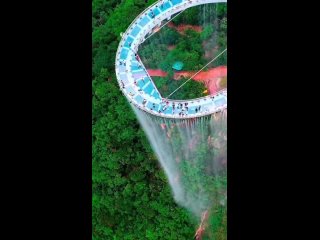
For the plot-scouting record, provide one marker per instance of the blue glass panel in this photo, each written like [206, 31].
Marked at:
[139, 99]
[165, 6]
[144, 21]
[135, 31]
[220, 102]
[148, 89]
[124, 53]
[174, 2]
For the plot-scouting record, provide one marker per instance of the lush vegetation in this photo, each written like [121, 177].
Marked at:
[188, 47]
[131, 197]
[204, 179]
[190, 90]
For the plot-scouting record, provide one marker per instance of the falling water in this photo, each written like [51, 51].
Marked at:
[193, 154]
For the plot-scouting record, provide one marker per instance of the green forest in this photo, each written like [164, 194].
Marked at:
[131, 198]
[188, 47]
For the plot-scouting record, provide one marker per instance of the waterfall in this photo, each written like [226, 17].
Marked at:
[193, 155]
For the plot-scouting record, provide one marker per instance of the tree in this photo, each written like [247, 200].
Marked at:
[207, 32]
[131, 198]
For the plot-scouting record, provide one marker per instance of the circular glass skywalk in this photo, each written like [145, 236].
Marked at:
[134, 80]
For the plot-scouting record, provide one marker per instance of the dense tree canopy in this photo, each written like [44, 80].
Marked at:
[131, 196]
[194, 49]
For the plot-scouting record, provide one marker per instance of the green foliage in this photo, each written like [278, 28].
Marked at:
[207, 32]
[131, 198]
[169, 36]
[224, 24]
[221, 10]
[153, 54]
[188, 50]
[190, 16]
[190, 90]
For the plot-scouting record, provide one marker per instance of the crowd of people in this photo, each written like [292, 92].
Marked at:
[178, 108]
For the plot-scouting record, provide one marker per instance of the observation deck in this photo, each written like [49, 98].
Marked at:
[133, 78]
